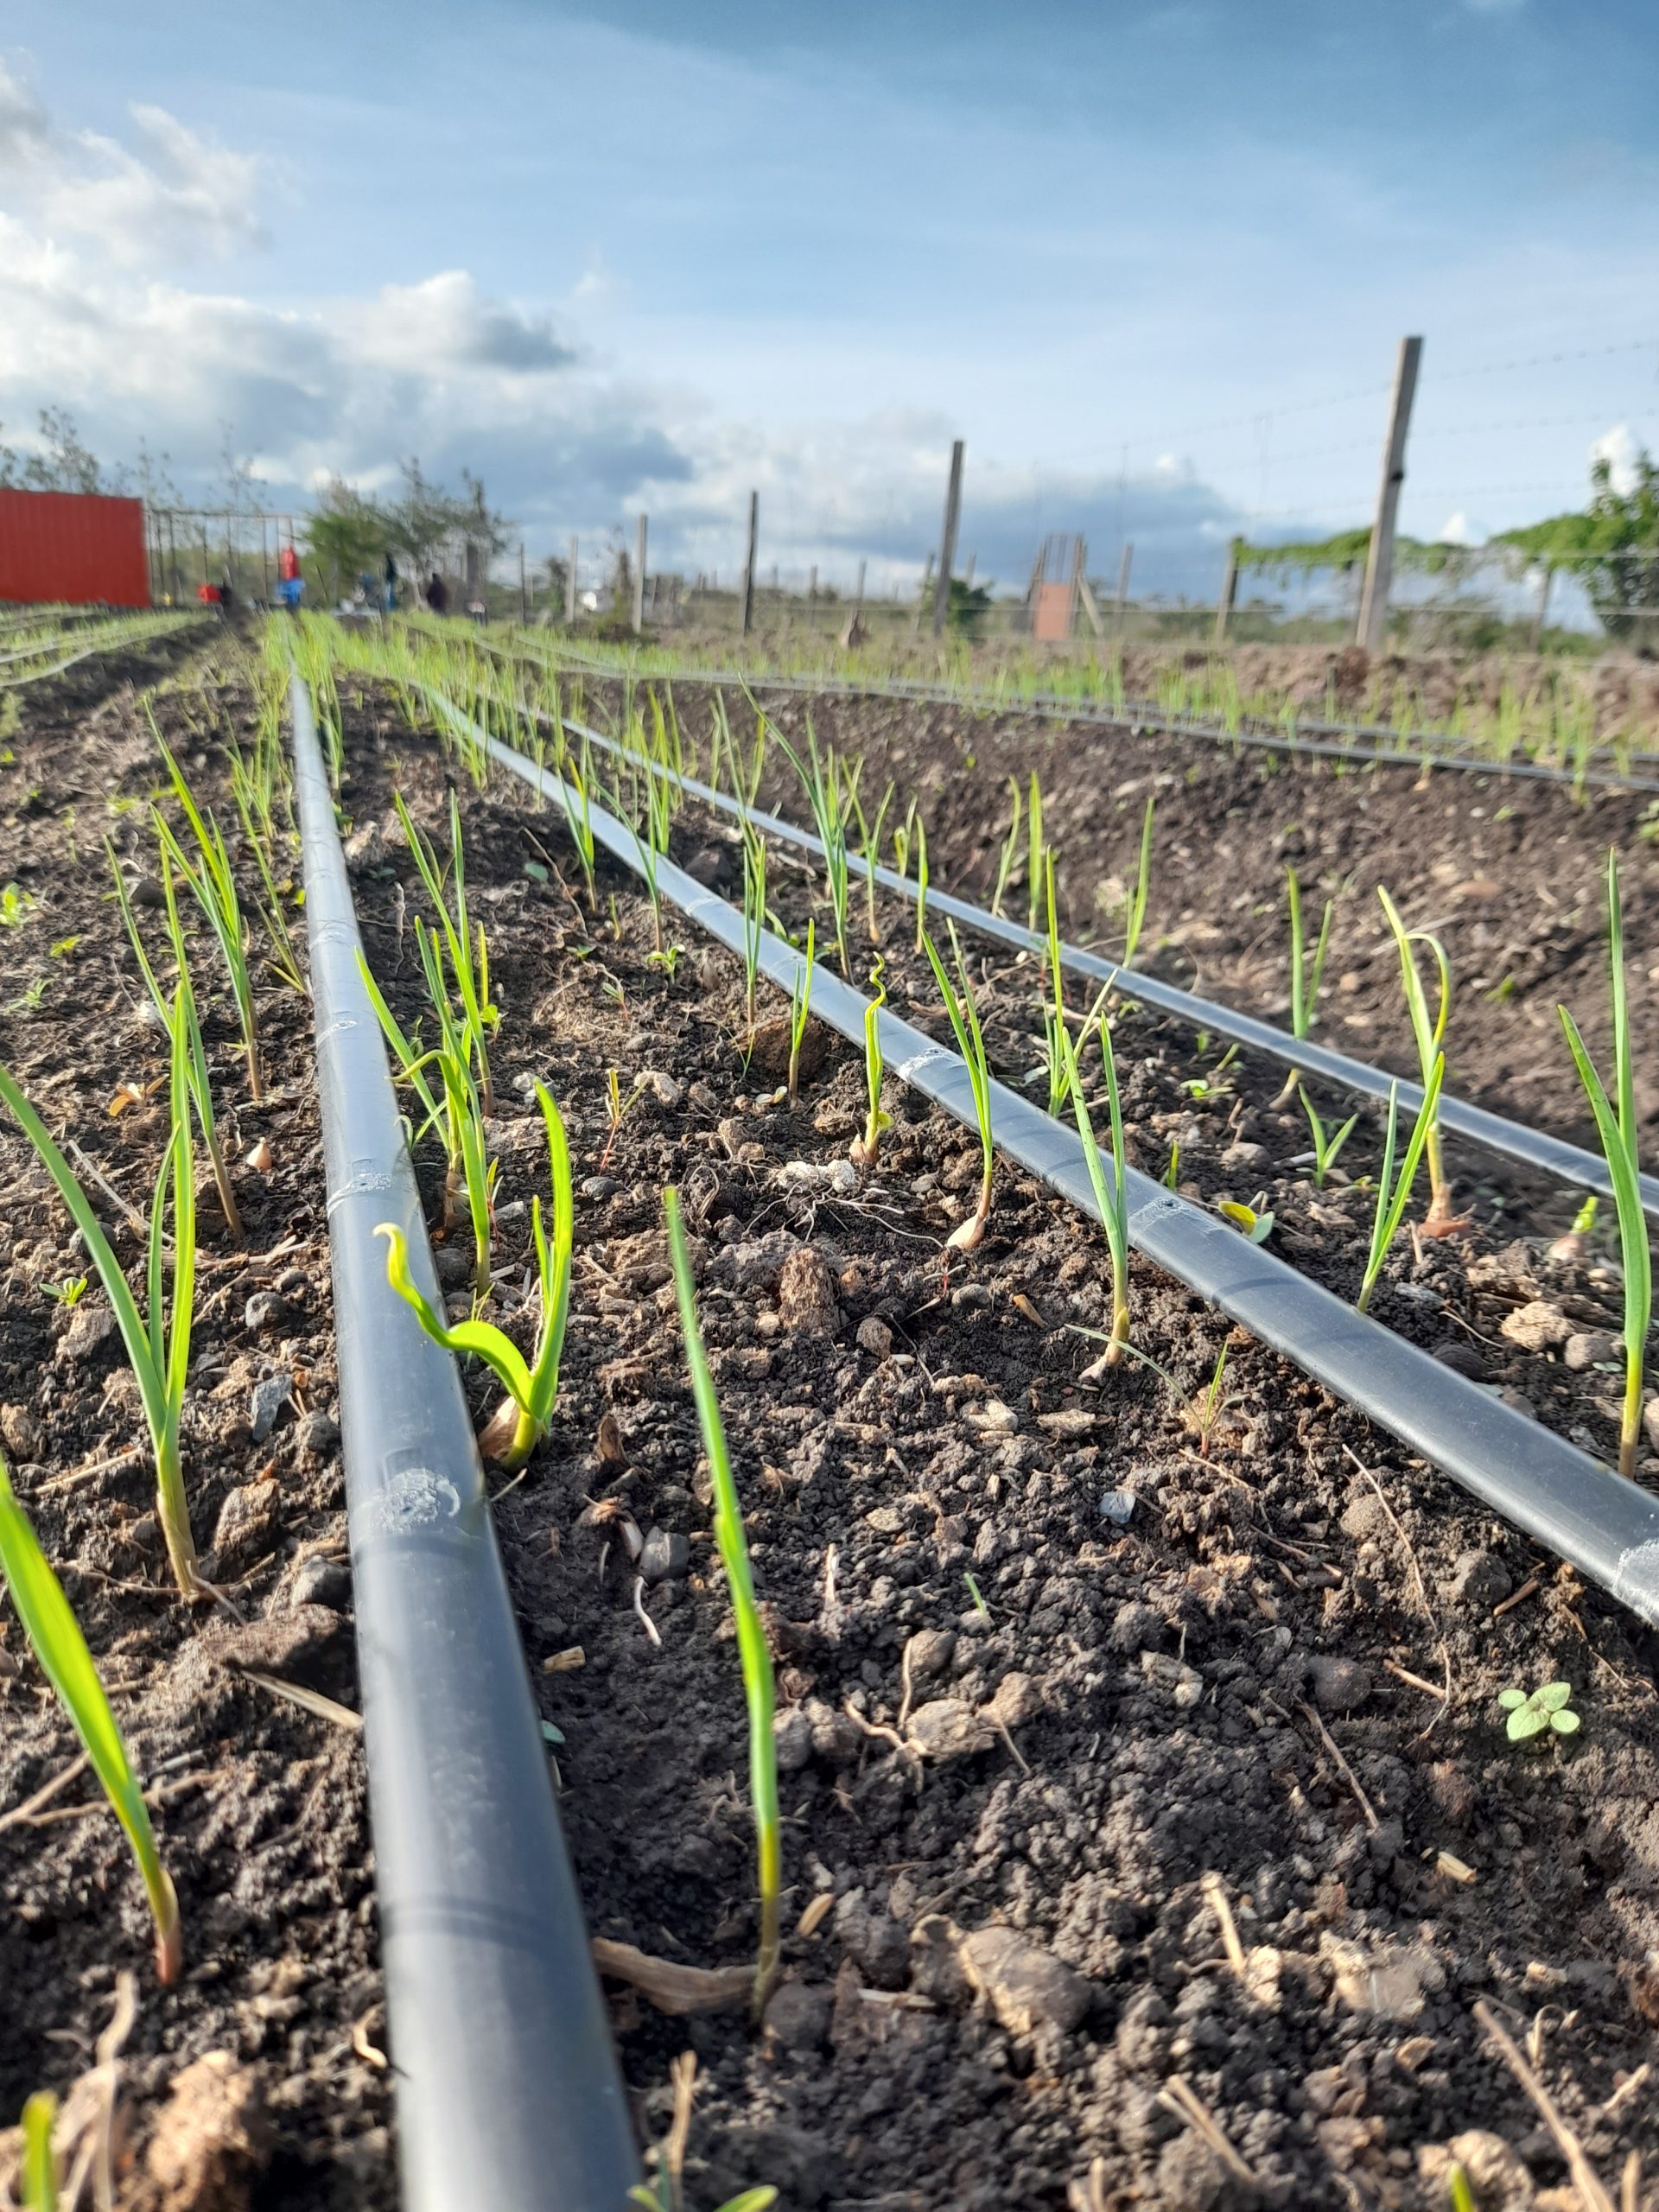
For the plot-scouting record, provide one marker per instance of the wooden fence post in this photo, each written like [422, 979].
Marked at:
[639, 576]
[746, 607]
[1379, 563]
[1229, 593]
[948, 541]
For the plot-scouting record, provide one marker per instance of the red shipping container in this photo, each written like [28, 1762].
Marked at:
[73, 547]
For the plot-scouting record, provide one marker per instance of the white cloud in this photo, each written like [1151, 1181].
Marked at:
[1621, 449]
[1458, 530]
[172, 195]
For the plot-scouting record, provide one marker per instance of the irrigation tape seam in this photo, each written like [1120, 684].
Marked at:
[1551, 1155]
[1607, 1527]
[508, 2091]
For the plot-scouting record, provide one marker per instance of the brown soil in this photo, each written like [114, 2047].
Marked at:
[1509, 873]
[1014, 1809]
[258, 1808]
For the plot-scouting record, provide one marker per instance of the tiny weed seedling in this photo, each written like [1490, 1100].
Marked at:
[70, 1291]
[1206, 1411]
[1327, 1142]
[1135, 912]
[753, 1651]
[1249, 1220]
[55, 1635]
[1617, 1129]
[1394, 1195]
[531, 1386]
[977, 1595]
[619, 1108]
[1460, 2196]
[800, 1007]
[1543, 1713]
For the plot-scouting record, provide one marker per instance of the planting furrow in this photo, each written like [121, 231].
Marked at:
[1607, 1527]
[507, 2090]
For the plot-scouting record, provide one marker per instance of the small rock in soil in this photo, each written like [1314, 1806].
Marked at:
[754, 1265]
[948, 1729]
[318, 1433]
[929, 1652]
[599, 1187]
[1339, 1685]
[318, 1581]
[838, 1177]
[1517, 1401]
[791, 1738]
[874, 1337]
[806, 1295]
[263, 1310]
[1017, 1700]
[20, 1433]
[875, 1943]
[1591, 1348]
[211, 2141]
[665, 1089]
[702, 1098]
[454, 1267]
[268, 1400]
[1118, 1506]
[1462, 1358]
[247, 1523]
[1185, 1684]
[90, 1325]
[1244, 1158]
[1478, 1580]
[797, 2015]
[365, 848]
[1365, 1516]
[1026, 1987]
[666, 1555]
[1536, 1326]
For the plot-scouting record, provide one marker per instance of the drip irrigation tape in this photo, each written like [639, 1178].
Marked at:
[1551, 1155]
[1607, 1527]
[1336, 741]
[508, 2091]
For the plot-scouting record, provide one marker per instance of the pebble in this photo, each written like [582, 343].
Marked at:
[1246, 1159]
[1591, 1348]
[929, 1652]
[1478, 1580]
[1536, 1326]
[993, 1419]
[1462, 1358]
[20, 1433]
[267, 1401]
[247, 1523]
[1517, 1401]
[319, 1433]
[797, 2015]
[666, 1090]
[807, 1293]
[839, 1177]
[1026, 1987]
[86, 1331]
[970, 1297]
[1339, 1685]
[666, 1556]
[874, 1337]
[1118, 1506]
[261, 1310]
[1016, 1700]
[791, 1739]
[318, 1581]
[702, 1098]
[946, 1728]
[454, 1267]
[599, 1187]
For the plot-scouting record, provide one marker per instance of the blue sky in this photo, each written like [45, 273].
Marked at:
[1150, 261]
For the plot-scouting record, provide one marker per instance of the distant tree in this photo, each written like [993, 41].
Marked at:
[66, 464]
[346, 536]
[966, 609]
[1611, 546]
[425, 519]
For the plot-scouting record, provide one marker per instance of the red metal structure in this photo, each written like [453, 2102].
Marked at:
[74, 546]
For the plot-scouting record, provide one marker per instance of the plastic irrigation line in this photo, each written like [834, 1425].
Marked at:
[508, 2091]
[1133, 714]
[1607, 1527]
[1551, 1155]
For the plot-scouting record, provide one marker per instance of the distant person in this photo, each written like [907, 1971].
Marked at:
[288, 565]
[226, 598]
[477, 609]
[391, 584]
[207, 594]
[290, 591]
[437, 593]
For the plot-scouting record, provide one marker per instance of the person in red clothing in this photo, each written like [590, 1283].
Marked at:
[208, 594]
[287, 564]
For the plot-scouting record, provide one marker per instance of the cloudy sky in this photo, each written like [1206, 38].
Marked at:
[1151, 262]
